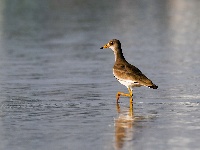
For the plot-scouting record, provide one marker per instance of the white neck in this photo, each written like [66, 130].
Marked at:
[115, 55]
[113, 49]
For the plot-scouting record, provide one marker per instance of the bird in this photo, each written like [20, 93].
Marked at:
[126, 73]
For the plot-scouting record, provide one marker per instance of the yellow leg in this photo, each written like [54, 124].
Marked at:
[131, 100]
[131, 113]
[130, 94]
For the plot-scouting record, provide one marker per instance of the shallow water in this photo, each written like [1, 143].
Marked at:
[57, 87]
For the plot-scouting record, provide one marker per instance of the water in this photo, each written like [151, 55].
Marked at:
[57, 88]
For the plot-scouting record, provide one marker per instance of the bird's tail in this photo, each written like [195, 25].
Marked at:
[153, 86]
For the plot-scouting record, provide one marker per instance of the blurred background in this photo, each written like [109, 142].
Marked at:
[57, 89]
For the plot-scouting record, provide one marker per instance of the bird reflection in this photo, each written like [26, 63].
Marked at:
[124, 126]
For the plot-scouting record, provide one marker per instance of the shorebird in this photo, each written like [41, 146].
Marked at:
[125, 73]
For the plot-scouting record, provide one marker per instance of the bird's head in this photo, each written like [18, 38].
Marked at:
[113, 44]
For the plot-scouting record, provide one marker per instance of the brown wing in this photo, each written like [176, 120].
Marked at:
[131, 72]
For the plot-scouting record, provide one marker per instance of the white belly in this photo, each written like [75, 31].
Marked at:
[128, 83]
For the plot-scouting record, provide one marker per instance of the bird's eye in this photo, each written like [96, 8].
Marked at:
[111, 43]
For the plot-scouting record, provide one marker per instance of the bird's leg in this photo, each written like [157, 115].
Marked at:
[131, 100]
[121, 93]
[130, 94]
[130, 91]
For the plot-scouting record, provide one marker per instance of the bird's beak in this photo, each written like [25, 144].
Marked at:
[105, 46]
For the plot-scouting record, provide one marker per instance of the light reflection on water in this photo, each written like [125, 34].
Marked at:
[124, 127]
[55, 94]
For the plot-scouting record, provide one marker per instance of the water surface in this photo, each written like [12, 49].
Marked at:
[57, 88]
